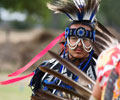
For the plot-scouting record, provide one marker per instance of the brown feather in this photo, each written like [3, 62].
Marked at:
[69, 7]
[105, 30]
[100, 33]
[36, 98]
[102, 41]
[82, 90]
[100, 46]
[48, 96]
[96, 48]
[72, 68]
[64, 7]
[64, 90]
[92, 4]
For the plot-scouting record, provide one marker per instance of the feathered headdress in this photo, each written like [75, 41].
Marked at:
[85, 10]
[76, 10]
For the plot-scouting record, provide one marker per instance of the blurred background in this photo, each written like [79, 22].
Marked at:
[26, 27]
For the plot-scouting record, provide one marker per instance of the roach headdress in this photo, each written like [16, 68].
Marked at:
[85, 11]
[76, 10]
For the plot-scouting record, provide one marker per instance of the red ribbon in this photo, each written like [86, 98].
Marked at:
[37, 57]
[16, 79]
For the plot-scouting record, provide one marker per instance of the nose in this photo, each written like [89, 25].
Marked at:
[79, 44]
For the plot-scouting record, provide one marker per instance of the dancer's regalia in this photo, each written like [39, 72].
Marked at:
[79, 12]
[46, 86]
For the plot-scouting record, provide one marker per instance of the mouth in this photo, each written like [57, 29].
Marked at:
[78, 50]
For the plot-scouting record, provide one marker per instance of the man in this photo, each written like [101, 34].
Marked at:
[78, 51]
[79, 36]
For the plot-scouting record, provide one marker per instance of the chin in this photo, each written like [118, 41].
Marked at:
[78, 56]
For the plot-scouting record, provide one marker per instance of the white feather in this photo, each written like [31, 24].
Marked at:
[87, 15]
[76, 4]
[79, 2]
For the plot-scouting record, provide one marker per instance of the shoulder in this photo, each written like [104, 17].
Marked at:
[52, 64]
[47, 62]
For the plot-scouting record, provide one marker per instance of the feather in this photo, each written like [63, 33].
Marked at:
[72, 93]
[103, 39]
[72, 68]
[36, 98]
[104, 29]
[79, 3]
[81, 89]
[42, 95]
[100, 34]
[76, 8]
[96, 48]
[63, 7]
[82, 92]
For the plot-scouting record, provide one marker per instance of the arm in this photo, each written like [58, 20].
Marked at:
[38, 79]
[96, 95]
[35, 82]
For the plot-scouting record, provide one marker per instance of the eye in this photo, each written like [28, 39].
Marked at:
[73, 39]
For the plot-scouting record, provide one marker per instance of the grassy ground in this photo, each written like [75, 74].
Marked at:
[15, 91]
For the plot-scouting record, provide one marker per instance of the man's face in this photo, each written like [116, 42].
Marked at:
[79, 51]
